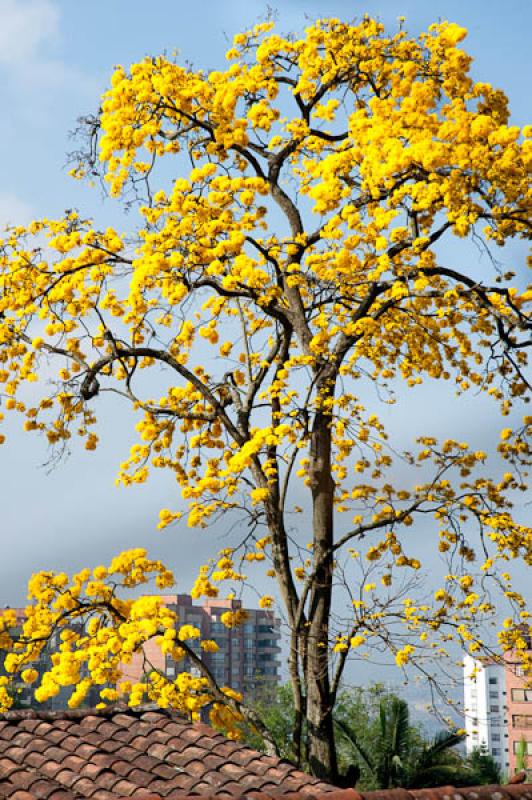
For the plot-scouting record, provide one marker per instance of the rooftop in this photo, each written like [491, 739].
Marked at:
[110, 753]
[118, 753]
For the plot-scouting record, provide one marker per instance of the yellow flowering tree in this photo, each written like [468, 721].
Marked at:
[291, 211]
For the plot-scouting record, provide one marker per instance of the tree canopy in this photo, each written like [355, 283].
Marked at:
[286, 250]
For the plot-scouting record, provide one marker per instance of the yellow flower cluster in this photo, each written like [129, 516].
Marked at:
[100, 632]
[374, 147]
[232, 619]
[402, 657]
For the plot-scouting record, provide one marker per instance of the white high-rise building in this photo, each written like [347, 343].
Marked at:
[485, 708]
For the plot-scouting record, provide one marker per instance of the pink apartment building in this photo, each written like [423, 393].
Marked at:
[519, 701]
[247, 658]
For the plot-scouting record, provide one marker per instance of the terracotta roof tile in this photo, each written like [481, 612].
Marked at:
[56, 736]
[110, 745]
[50, 768]
[102, 794]
[391, 794]
[22, 796]
[66, 777]
[157, 755]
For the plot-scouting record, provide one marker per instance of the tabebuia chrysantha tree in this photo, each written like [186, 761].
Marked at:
[291, 214]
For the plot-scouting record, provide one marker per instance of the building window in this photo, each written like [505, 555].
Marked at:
[218, 657]
[521, 720]
[494, 695]
[493, 681]
[494, 709]
[495, 751]
[218, 627]
[518, 745]
[496, 737]
[522, 695]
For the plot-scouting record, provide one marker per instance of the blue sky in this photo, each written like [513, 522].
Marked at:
[56, 57]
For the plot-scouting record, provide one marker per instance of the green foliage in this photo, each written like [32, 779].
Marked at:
[377, 745]
[353, 711]
[275, 707]
[484, 767]
[393, 741]
[521, 762]
[400, 756]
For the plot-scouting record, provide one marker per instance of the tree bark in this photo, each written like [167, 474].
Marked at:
[321, 745]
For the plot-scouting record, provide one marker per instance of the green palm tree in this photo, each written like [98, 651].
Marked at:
[393, 743]
[437, 763]
[397, 758]
[386, 762]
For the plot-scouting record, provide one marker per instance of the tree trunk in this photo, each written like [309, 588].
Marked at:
[297, 691]
[282, 565]
[321, 745]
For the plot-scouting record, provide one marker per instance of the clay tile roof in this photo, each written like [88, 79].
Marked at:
[117, 753]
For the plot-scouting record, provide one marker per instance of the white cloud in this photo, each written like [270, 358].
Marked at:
[25, 25]
[14, 210]
[31, 75]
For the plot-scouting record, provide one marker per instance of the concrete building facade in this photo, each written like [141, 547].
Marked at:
[23, 693]
[498, 710]
[486, 709]
[247, 659]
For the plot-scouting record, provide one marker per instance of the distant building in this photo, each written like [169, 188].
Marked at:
[486, 709]
[247, 658]
[23, 693]
[519, 712]
[498, 710]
